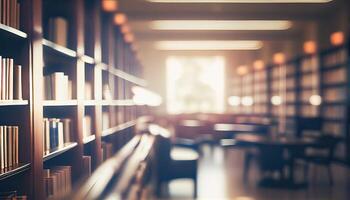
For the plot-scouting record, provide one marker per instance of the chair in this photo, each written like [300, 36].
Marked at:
[323, 153]
[174, 163]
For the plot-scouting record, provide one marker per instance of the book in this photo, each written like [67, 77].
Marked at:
[17, 82]
[56, 133]
[87, 165]
[58, 30]
[10, 13]
[2, 146]
[87, 126]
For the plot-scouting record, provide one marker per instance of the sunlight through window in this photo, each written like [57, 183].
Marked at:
[195, 84]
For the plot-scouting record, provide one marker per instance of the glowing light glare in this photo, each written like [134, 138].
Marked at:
[279, 58]
[239, 1]
[125, 29]
[109, 5]
[259, 65]
[119, 19]
[143, 96]
[129, 37]
[337, 38]
[193, 45]
[247, 101]
[276, 100]
[315, 100]
[234, 100]
[230, 25]
[310, 47]
[242, 70]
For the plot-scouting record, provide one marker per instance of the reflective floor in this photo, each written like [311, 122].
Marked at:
[220, 177]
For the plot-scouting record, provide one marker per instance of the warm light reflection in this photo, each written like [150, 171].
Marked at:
[125, 29]
[247, 101]
[315, 100]
[216, 25]
[337, 38]
[234, 100]
[242, 70]
[109, 5]
[119, 19]
[129, 37]
[195, 84]
[276, 100]
[143, 96]
[259, 65]
[310, 47]
[279, 58]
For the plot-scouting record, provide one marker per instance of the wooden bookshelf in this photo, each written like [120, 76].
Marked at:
[95, 53]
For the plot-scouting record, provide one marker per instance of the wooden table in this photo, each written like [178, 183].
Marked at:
[295, 146]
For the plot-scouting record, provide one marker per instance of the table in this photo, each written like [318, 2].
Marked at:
[295, 147]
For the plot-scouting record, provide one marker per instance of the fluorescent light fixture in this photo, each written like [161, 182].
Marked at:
[221, 25]
[239, 1]
[209, 45]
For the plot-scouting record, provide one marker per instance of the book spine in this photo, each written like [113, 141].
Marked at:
[60, 134]
[3, 79]
[17, 82]
[2, 144]
[10, 146]
[10, 80]
[53, 132]
[5, 147]
[1, 74]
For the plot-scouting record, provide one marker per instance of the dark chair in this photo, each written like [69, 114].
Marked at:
[172, 167]
[323, 153]
[308, 124]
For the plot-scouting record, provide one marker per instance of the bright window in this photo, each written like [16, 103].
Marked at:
[195, 84]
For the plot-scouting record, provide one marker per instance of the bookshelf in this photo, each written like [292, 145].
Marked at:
[94, 54]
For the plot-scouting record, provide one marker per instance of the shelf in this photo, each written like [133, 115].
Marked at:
[60, 103]
[13, 102]
[9, 32]
[118, 128]
[58, 48]
[58, 151]
[87, 59]
[90, 102]
[4, 174]
[126, 102]
[128, 77]
[89, 139]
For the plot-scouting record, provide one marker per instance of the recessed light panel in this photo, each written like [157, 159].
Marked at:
[221, 25]
[208, 45]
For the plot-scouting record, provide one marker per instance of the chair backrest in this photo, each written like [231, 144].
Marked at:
[329, 143]
[308, 124]
[271, 157]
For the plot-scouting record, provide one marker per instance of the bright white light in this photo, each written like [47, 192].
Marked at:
[276, 100]
[143, 96]
[239, 1]
[247, 101]
[195, 84]
[315, 100]
[234, 100]
[195, 45]
[230, 25]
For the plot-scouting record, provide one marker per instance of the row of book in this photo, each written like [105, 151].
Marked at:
[12, 195]
[10, 13]
[57, 86]
[57, 132]
[8, 147]
[57, 181]
[336, 58]
[10, 80]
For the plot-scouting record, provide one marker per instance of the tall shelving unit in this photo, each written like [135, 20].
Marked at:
[96, 55]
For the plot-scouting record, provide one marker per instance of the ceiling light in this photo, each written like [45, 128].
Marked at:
[209, 45]
[109, 5]
[229, 25]
[239, 1]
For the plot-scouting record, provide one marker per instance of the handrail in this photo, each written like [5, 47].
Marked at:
[96, 184]
[125, 181]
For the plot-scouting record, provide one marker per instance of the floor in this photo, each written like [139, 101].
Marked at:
[220, 178]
